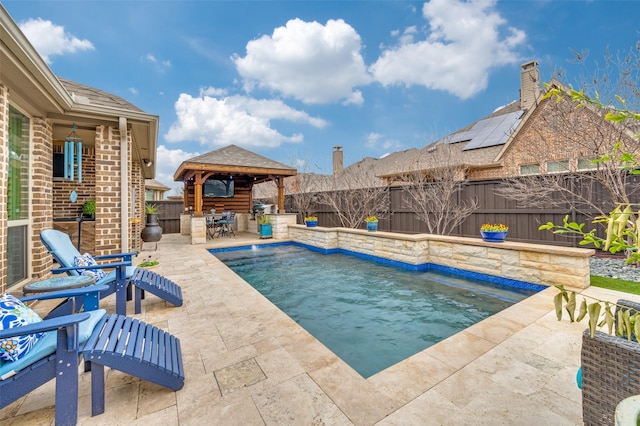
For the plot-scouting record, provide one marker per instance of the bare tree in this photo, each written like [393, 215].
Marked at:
[570, 126]
[303, 188]
[355, 194]
[584, 135]
[433, 191]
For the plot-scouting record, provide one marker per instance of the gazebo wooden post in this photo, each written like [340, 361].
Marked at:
[198, 182]
[185, 196]
[280, 183]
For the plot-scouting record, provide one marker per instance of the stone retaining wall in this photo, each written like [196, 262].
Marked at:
[534, 263]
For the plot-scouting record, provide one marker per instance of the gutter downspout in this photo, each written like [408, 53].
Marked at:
[124, 186]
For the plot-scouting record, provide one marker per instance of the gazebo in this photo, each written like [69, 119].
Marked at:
[223, 180]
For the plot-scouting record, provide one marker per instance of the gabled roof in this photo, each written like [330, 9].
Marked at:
[475, 145]
[90, 95]
[40, 93]
[154, 184]
[232, 159]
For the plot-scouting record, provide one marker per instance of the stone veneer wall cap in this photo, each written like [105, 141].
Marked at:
[507, 245]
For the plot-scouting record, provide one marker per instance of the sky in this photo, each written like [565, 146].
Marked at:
[292, 79]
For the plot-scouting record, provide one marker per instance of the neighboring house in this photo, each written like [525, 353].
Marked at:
[529, 136]
[154, 190]
[362, 174]
[42, 183]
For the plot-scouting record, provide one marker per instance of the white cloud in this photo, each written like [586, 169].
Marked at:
[466, 40]
[160, 66]
[308, 61]
[167, 163]
[133, 91]
[212, 91]
[408, 35]
[378, 141]
[50, 39]
[235, 119]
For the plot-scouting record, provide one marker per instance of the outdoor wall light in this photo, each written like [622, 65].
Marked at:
[147, 162]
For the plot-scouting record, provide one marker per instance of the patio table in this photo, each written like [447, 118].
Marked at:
[211, 220]
[59, 283]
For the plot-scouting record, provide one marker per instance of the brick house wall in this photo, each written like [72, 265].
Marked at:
[137, 182]
[49, 198]
[542, 140]
[51, 105]
[42, 196]
[86, 190]
[108, 207]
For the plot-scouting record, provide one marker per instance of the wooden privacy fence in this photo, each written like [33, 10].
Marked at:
[169, 216]
[523, 222]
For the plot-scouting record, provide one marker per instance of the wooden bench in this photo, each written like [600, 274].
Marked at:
[135, 348]
[145, 280]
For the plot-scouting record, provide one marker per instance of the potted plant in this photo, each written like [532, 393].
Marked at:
[148, 262]
[152, 232]
[264, 225]
[311, 221]
[372, 223]
[494, 232]
[150, 208]
[89, 209]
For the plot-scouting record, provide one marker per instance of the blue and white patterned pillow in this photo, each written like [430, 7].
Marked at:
[14, 313]
[88, 260]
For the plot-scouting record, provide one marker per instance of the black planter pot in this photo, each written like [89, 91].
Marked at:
[152, 233]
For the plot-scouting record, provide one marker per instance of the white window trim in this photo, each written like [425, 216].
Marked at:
[529, 165]
[567, 170]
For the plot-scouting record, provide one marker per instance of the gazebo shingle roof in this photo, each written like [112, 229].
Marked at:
[233, 159]
[233, 155]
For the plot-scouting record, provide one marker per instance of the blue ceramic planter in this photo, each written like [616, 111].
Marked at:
[266, 230]
[494, 236]
[372, 226]
[311, 223]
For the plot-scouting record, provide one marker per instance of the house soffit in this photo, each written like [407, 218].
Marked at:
[39, 92]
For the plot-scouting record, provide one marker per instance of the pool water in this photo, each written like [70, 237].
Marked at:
[369, 314]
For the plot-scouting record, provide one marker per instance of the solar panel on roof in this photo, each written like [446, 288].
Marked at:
[458, 137]
[492, 131]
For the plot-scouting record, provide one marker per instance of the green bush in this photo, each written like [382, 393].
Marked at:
[89, 207]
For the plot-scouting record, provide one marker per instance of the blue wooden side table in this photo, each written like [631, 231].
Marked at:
[59, 283]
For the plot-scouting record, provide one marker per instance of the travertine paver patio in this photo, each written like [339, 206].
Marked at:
[247, 363]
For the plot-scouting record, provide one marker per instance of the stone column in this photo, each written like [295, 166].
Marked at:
[185, 224]
[280, 225]
[198, 230]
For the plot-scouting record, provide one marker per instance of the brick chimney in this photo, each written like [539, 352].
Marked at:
[529, 84]
[337, 160]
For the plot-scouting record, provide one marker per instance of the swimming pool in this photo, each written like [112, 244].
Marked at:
[372, 315]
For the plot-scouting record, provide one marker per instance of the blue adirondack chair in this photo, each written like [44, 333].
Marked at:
[115, 341]
[119, 279]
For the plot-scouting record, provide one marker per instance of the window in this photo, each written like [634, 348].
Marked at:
[586, 164]
[18, 196]
[18, 190]
[218, 188]
[530, 169]
[557, 166]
